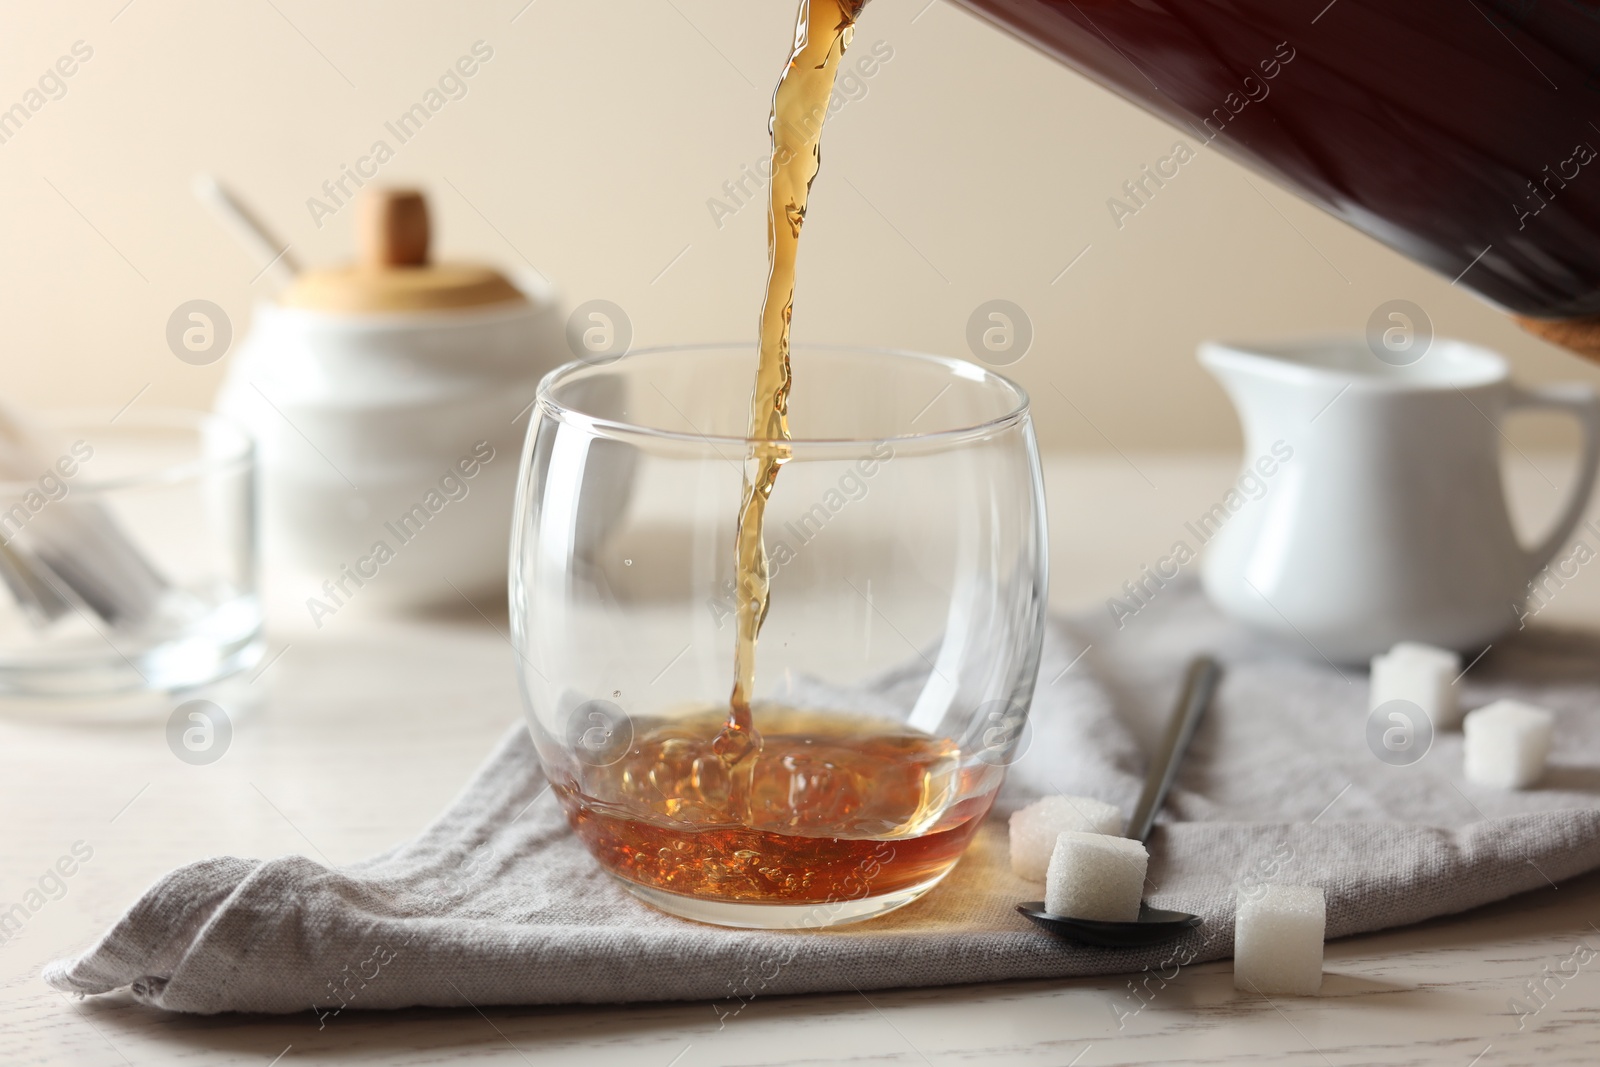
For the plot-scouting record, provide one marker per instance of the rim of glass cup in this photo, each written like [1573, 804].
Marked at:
[615, 428]
[240, 450]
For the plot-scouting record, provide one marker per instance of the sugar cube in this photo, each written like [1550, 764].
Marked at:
[1095, 876]
[1422, 675]
[1034, 829]
[1277, 940]
[1507, 743]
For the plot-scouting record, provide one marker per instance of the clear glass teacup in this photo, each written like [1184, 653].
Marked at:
[906, 544]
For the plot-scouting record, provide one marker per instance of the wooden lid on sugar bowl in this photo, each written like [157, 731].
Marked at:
[393, 272]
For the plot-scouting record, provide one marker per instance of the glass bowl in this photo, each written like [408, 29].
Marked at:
[127, 556]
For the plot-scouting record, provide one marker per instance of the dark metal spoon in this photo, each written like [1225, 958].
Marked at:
[1153, 924]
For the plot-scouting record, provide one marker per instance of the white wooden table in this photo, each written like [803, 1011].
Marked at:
[359, 733]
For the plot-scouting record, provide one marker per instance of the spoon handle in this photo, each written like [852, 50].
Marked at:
[1198, 686]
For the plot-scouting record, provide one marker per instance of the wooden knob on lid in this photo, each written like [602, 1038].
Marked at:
[392, 229]
[392, 271]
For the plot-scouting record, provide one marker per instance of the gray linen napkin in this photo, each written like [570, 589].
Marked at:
[497, 903]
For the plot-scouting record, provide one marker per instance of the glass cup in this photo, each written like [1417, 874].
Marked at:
[906, 540]
[127, 555]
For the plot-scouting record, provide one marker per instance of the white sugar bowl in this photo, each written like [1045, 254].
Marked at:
[389, 400]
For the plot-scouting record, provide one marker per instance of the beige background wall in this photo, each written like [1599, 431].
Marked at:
[590, 143]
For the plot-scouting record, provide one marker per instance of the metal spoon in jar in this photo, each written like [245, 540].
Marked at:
[1153, 925]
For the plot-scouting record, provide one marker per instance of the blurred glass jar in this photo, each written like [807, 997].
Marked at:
[129, 556]
[906, 536]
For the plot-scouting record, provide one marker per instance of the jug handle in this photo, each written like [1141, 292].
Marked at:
[1582, 403]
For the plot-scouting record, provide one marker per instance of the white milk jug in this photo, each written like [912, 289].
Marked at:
[1388, 521]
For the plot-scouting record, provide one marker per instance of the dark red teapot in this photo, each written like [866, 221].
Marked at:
[1464, 134]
